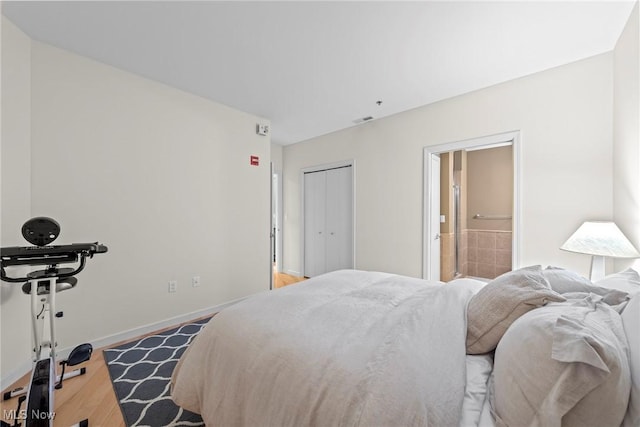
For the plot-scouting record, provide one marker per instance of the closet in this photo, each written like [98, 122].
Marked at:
[328, 220]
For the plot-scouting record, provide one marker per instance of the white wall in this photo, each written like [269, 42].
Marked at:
[565, 118]
[626, 134]
[489, 187]
[15, 205]
[161, 177]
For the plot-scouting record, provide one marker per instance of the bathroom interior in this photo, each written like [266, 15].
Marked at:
[476, 200]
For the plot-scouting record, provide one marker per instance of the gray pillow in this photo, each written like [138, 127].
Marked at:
[631, 324]
[566, 281]
[563, 364]
[495, 307]
[625, 281]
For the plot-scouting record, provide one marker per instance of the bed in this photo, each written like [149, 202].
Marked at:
[356, 348]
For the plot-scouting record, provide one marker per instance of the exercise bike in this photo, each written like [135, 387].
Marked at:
[43, 285]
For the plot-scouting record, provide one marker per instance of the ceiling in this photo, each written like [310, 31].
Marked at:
[316, 67]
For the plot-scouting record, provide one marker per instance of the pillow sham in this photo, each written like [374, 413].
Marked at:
[562, 280]
[631, 324]
[626, 281]
[566, 281]
[563, 364]
[492, 310]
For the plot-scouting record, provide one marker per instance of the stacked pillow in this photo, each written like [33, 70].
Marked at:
[563, 364]
[629, 281]
[622, 292]
[574, 360]
[568, 282]
[631, 324]
[625, 281]
[498, 304]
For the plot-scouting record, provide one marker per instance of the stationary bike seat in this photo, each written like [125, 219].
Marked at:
[62, 284]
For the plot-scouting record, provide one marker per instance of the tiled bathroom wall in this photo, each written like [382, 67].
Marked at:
[488, 253]
[483, 253]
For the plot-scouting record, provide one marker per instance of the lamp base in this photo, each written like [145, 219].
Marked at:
[597, 268]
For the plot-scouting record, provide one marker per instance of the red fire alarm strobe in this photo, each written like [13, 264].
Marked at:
[254, 161]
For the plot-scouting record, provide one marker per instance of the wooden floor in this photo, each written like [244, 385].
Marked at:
[282, 279]
[91, 396]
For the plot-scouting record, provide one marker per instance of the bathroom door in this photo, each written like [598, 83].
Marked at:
[434, 217]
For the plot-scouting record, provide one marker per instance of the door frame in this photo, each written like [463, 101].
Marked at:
[434, 216]
[512, 137]
[272, 236]
[276, 217]
[318, 168]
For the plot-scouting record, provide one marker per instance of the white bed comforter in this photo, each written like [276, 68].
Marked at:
[348, 348]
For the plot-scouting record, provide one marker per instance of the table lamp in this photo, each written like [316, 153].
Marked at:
[600, 239]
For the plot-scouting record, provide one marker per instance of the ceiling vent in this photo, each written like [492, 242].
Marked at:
[362, 120]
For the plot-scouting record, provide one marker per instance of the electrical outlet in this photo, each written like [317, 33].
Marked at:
[195, 281]
[173, 286]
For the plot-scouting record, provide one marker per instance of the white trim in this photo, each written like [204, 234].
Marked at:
[272, 234]
[19, 372]
[153, 327]
[326, 166]
[428, 212]
[279, 222]
[293, 273]
[13, 376]
[515, 138]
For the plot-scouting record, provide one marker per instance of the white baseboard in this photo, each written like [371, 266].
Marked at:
[13, 376]
[293, 273]
[152, 327]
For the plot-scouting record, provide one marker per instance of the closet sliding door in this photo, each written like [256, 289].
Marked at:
[339, 219]
[315, 201]
[328, 220]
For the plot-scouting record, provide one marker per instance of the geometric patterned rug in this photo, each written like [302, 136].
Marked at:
[141, 371]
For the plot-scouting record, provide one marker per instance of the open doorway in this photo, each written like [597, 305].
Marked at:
[471, 218]
[278, 277]
[276, 221]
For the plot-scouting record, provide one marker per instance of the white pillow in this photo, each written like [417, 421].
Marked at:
[563, 364]
[627, 281]
[631, 324]
[563, 280]
[566, 281]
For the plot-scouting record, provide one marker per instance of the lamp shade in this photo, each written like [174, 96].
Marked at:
[600, 238]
